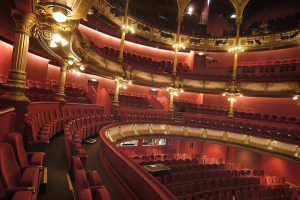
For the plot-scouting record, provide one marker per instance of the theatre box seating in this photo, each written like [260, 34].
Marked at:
[39, 92]
[194, 177]
[136, 100]
[144, 62]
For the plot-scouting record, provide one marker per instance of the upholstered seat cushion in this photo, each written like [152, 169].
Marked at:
[30, 178]
[36, 158]
[23, 195]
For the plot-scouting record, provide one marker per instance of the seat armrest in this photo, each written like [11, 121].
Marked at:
[24, 195]
[9, 192]
[30, 177]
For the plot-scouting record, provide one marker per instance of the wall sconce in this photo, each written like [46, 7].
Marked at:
[57, 38]
[178, 46]
[236, 50]
[127, 28]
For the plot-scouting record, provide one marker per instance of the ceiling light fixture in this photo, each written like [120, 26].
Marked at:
[64, 42]
[53, 44]
[130, 82]
[74, 71]
[295, 97]
[82, 68]
[78, 73]
[70, 62]
[59, 15]
[56, 37]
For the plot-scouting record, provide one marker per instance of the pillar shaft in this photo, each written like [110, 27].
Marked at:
[231, 113]
[116, 99]
[60, 94]
[122, 45]
[16, 82]
[234, 66]
[123, 31]
[180, 18]
[238, 22]
[171, 100]
[175, 61]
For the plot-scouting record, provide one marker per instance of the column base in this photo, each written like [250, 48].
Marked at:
[170, 109]
[60, 97]
[14, 97]
[115, 103]
[230, 116]
[120, 59]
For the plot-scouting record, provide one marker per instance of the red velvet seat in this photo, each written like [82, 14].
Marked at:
[72, 151]
[23, 158]
[11, 177]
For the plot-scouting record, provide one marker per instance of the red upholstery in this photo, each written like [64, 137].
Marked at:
[24, 159]
[11, 178]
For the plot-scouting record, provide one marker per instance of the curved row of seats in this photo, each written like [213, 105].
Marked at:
[143, 62]
[78, 124]
[247, 67]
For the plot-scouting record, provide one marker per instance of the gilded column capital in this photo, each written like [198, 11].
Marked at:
[24, 21]
[238, 20]
[180, 18]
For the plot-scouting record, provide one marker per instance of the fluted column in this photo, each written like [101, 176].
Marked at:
[116, 99]
[16, 82]
[124, 31]
[238, 22]
[231, 113]
[171, 100]
[179, 20]
[60, 94]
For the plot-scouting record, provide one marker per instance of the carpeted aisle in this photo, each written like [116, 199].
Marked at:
[57, 186]
[94, 163]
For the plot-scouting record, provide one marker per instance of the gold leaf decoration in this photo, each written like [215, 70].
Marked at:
[106, 63]
[203, 84]
[266, 86]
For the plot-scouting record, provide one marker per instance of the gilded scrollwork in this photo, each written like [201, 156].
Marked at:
[105, 62]
[292, 87]
[266, 86]
[203, 84]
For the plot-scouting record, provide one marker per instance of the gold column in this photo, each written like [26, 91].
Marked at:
[60, 94]
[124, 31]
[231, 114]
[175, 61]
[16, 82]
[171, 100]
[116, 99]
[180, 18]
[238, 22]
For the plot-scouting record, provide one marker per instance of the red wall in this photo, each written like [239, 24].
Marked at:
[131, 47]
[279, 167]
[250, 159]
[5, 57]
[214, 151]
[185, 147]
[284, 106]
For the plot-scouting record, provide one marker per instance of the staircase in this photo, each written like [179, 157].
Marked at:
[178, 116]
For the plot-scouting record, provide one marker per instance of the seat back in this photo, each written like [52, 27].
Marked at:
[9, 171]
[16, 141]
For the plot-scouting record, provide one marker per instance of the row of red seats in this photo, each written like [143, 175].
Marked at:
[143, 61]
[285, 134]
[88, 184]
[20, 171]
[243, 115]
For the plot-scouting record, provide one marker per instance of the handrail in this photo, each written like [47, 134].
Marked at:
[140, 183]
